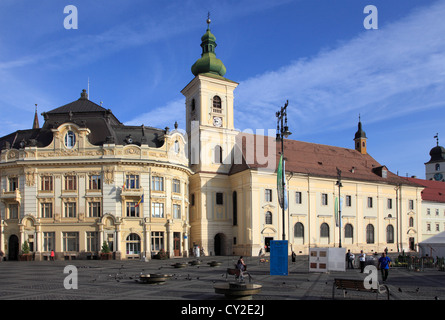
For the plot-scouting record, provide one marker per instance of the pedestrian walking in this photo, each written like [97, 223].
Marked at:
[52, 255]
[384, 264]
[362, 259]
[1, 255]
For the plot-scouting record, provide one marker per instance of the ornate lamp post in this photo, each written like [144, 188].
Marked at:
[282, 132]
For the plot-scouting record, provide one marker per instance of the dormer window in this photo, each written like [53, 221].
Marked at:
[70, 139]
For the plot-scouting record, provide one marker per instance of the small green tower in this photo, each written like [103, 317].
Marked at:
[208, 63]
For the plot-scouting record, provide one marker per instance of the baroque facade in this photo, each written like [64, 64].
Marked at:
[84, 179]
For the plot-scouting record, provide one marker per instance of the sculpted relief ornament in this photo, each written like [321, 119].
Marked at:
[109, 175]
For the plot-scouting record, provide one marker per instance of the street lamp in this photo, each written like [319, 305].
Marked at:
[283, 132]
[339, 205]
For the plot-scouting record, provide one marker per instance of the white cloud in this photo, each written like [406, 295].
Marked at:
[383, 73]
[161, 117]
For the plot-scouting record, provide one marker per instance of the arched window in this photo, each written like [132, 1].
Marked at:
[437, 167]
[369, 233]
[176, 146]
[299, 230]
[349, 230]
[133, 244]
[217, 104]
[268, 217]
[390, 234]
[218, 154]
[70, 139]
[235, 208]
[324, 230]
[411, 222]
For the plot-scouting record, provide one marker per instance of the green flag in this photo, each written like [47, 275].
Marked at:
[281, 184]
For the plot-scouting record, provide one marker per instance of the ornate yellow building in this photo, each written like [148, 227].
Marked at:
[84, 179]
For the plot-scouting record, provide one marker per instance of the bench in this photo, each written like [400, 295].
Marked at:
[358, 285]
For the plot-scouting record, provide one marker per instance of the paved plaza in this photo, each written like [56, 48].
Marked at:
[119, 280]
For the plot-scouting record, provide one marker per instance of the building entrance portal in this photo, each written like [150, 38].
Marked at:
[13, 248]
[219, 244]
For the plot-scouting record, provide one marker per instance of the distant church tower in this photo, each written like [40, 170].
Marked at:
[360, 139]
[435, 168]
[35, 124]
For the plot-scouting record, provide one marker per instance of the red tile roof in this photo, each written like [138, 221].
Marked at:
[316, 160]
[434, 190]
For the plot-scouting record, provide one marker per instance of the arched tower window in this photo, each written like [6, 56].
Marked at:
[217, 104]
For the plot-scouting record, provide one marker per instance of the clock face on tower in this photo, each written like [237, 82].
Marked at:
[217, 121]
[438, 176]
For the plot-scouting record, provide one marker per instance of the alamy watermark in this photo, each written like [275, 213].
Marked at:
[71, 280]
[71, 20]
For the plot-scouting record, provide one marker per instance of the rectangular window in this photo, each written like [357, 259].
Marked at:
[157, 183]
[70, 241]
[92, 241]
[95, 182]
[428, 227]
[49, 240]
[157, 210]
[13, 211]
[437, 212]
[348, 201]
[70, 210]
[176, 211]
[176, 186]
[324, 199]
[437, 227]
[369, 202]
[157, 241]
[298, 197]
[132, 209]
[132, 181]
[70, 183]
[46, 183]
[428, 211]
[192, 199]
[94, 209]
[268, 195]
[13, 183]
[47, 210]
[411, 204]
[219, 198]
[389, 203]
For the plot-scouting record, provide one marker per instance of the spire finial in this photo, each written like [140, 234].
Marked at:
[359, 118]
[208, 20]
[35, 124]
[437, 138]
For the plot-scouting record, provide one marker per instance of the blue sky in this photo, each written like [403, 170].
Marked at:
[317, 54]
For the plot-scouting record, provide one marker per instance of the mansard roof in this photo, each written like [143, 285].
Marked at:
[103, 125]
